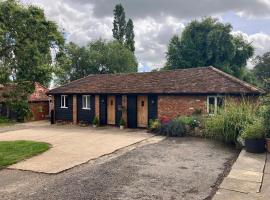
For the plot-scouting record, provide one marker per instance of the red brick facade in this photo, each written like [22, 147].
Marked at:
[173, 105]
[39, 110]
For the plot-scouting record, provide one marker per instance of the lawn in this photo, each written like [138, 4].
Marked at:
[14, 151]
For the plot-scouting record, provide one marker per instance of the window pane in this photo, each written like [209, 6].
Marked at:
[220, 103]
[66, 101]
[88, 101]
[84, 102]
[211, 105]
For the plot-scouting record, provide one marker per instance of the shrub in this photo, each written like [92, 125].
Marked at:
[265, 113]
[197, 112]
[4, 120]
[122, 122]
[256, 130]
[172, 128]
[192, 121]
[164, 119]
[95, 121]
[230, 121]
[154, 124]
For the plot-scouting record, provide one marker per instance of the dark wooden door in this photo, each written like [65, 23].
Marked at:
[118, 109]
[132, 111]
[152, 107]
[103, 109]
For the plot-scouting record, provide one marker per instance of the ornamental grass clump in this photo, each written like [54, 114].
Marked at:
[230, 121]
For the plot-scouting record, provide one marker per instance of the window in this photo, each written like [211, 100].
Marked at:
[142, 103]
[214, 103]
[64, 99]
[86, 102]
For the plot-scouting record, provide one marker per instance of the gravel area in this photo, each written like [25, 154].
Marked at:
[175, 168]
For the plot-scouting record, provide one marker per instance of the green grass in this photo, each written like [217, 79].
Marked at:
[12, 152]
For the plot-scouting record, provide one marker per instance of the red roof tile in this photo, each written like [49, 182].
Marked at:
[202, 80]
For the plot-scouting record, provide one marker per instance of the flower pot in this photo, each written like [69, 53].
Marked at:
[94, 125]
[255, 145]
[122, 127]
[268, 144]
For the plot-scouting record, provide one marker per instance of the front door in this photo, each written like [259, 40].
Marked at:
[111, 110]
[142, 111]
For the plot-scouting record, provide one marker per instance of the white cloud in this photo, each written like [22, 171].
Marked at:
[155, 21]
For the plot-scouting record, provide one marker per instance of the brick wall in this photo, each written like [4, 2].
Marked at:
[39, 110]
[173, 105]
[97, 106]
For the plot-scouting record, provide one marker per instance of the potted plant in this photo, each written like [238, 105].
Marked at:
[122, 123]
[95, 122]
[254, 136]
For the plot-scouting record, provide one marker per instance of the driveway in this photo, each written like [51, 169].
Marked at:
[71, 145]
[175, 168]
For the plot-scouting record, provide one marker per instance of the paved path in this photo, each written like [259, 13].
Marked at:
[249, 179]
[71, 145]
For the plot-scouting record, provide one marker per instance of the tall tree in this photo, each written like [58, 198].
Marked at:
[262, 70]
[209, 42]
[98, 57]
[130, 43]
[119, 23]
[26, 40]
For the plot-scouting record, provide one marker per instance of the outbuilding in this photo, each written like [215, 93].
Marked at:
[140, 97]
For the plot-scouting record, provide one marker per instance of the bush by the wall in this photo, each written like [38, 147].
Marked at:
[256, 130]
[172, 128]
[230, 121]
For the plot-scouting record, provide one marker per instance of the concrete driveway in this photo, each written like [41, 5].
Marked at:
[71, 145]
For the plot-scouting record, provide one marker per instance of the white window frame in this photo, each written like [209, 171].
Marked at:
[63, 101]
[216, 106]
[88, 102]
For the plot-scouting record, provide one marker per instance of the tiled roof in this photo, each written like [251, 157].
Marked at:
[201, 80]
[39, 93]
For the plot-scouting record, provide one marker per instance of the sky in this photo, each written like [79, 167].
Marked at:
[156, 21]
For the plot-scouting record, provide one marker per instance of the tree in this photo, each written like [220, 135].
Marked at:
[262, 70]
[209, 42]
[130, 43]
[119, 23]
[98, 57]
[26, 40]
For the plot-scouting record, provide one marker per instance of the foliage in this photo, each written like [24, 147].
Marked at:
[255, 130]
[190, 121]
[264, 113]
[209, 42]
[123, 32]
[262, 70]
[4, 120]
[119, 23]
[17, 99]
[154, 124]
[197, 112]
[122, 122]
[98, 57]
[130, 43]
[12, 152]
[172, 128]
[26, 40]
[228, 124]
[95, 121]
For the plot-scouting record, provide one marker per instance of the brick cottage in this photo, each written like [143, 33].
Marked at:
[140, 97]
